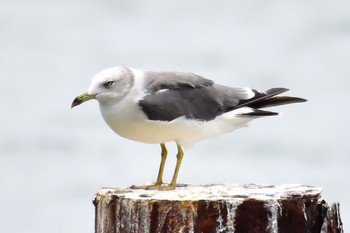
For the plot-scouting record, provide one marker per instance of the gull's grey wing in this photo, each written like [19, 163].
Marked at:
[156, 81]
[170, 95]
[203, 103]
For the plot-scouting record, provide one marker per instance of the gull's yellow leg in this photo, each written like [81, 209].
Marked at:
[179, 156]
[162, 164]
[159, 180]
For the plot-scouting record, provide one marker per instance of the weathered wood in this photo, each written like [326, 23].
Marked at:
[216, 208]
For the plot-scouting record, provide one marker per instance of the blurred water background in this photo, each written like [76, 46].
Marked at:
[53, 159]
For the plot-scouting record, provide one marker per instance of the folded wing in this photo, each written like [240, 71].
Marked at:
[171, 95]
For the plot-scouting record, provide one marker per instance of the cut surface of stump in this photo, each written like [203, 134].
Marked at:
[216, 208]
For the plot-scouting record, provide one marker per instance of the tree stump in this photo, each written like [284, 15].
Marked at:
[216, 208]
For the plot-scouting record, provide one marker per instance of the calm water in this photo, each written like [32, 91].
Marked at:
[53, 159]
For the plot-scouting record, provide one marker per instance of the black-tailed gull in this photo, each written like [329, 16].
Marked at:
[160, 107]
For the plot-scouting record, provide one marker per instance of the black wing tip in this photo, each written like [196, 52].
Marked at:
[278, 90]
[300, 100]
[272, 92]
[290, 99]
[259, 113]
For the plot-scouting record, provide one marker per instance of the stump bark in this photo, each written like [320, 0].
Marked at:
[216, 208]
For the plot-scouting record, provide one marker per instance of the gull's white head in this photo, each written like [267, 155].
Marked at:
[108, 86]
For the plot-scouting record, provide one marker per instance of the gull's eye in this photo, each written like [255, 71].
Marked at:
[108, 84]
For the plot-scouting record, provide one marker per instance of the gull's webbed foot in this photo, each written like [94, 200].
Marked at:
[148, 187]
[154, 187]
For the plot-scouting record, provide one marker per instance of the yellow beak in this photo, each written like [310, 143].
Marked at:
[81, 99]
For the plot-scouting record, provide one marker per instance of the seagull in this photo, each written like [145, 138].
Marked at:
[185, 108]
